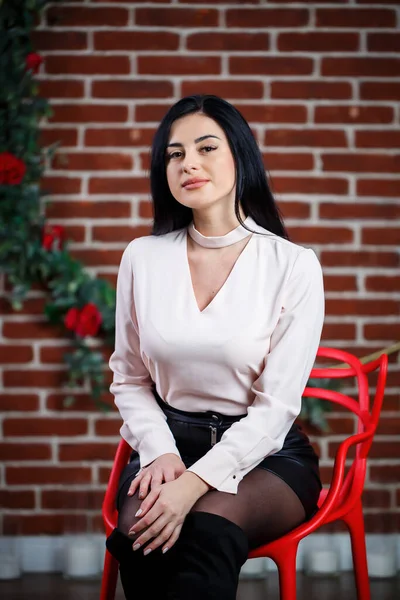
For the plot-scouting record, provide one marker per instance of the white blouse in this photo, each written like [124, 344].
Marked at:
[250, 350]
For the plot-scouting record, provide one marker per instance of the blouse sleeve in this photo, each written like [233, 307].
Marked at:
[279, 388]
[144, 423]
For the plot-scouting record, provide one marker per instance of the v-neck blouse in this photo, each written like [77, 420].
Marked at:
[251, 350]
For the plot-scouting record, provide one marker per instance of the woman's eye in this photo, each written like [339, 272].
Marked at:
[178, 154]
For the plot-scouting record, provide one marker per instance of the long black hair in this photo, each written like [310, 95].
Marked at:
[252, 189]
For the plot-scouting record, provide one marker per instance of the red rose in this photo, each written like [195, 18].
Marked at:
[89, 320]
[12, 169]
[53, 236]
[71, 319]
[33, 62]
[84, 322]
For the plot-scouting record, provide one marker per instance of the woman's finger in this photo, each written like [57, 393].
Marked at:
[153, 524]
[164, 535]
[156, 480]
[173, 538]
[148, 519]
[145, 506]
[144, 485]
[135, 483]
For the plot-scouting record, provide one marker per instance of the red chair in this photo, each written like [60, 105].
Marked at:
[341, 501]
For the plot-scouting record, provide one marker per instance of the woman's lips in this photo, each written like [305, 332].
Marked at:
[193, 186]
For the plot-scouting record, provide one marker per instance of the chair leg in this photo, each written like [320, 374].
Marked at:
[110, 577]
[355, 523]
[286, 563]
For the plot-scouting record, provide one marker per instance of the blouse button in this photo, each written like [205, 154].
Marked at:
[234, 477]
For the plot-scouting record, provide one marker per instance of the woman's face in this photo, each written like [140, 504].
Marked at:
[198, 149]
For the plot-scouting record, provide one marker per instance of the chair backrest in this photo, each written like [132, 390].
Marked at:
[367, 418]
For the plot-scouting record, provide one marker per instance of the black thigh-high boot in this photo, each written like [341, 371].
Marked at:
[140, 573]
[210, 552]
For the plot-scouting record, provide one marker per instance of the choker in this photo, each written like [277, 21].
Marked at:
[219, 241]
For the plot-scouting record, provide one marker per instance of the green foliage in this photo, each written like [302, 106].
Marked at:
[27, 257]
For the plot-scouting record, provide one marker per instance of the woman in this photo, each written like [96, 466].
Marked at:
[218, 322]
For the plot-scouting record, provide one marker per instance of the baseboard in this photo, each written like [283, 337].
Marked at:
[45, 554]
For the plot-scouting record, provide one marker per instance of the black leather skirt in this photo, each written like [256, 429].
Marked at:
[196, 432]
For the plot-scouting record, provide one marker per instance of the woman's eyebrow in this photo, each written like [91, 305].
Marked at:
[200, 139]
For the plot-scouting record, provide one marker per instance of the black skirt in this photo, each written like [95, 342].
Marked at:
[196, 432]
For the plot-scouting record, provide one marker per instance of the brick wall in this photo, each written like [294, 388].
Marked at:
[319, 83]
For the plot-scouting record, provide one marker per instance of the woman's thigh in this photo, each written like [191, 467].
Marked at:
[265, 507]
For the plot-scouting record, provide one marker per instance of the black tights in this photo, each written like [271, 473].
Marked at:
[265, 507]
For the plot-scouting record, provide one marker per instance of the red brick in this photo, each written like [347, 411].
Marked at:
[361, 306]
[320, 235]
[88, 64]
[133, 88]
[99, 258]
[85, 161]
[382, 283]
[361, 163]
[311, 185]
[382, 522]
[17, 499]
[104, 474]
[179, 65]
[385, 473]
[107, 137]
[15, 354]
[228, 41]
[286, 161]
[52, 40]
[383, 42]
[225, 89]
[335, 210]
[305, 137]
[341, 425]
[388, 426]
[117, 233]
[384, 236]
[177, 17]
[61, 88]
[315, 41]
[53, 354]
[382, 331]
[377, 139]
[379, 90]
[139, 40]
[118, 185]
[83, 402]
[360, 67]
[44, 524]
[87, 451]
[340, 283]
[33, 378]
[61, 185]
[307, 90]
[16, 451]
[66, 137]
[267, 17]
[353, 114]
[41, 426]
[72, 500]
[85, 209]
[270, 113]
[32, 330]
[295, 210]
[270, 65]
[19, 402]
[362, 258]
[48, 475]
[31, 306]
[108, 427]
[80, 16]
[89, 113]
[150, 112]
[338, 331]
[355, 17]
[378, 187]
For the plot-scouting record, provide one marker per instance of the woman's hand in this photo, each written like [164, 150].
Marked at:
[166, 467]
[164, 511]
